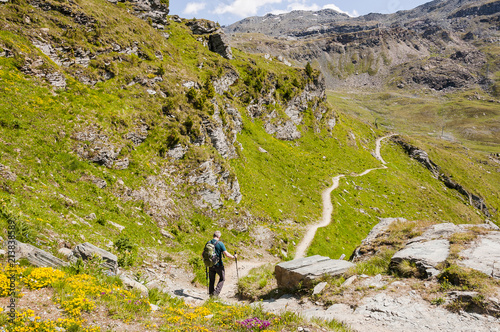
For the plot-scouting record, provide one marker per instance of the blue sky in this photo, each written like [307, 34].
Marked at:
[229, 11]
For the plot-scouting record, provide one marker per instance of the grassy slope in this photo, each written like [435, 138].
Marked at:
[406, 189]
[283, 184]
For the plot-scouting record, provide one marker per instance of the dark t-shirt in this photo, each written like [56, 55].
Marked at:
[219, 249]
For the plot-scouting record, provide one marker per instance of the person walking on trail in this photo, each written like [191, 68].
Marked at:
[218, 268]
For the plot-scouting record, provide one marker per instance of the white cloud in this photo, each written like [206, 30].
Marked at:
[296, 6]
[243, 8]
[312, 7]
[334, 7]
[193, 8]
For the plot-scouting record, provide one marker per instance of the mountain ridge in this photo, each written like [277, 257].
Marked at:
[388, 50]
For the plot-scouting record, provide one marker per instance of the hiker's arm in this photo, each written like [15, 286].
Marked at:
[227, 254]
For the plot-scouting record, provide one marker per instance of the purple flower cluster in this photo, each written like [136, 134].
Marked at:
[255, 323]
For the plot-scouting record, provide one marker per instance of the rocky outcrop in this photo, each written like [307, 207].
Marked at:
[425, 255]
[223, 83]
[484, 255]
[154, 10]
[219, 139]
[35, 67]
[423, 158]
[36, 256]
[87, 251]
[139, 135]
[286, 129]
[155, 194]
[96, 147]
[68, 8]
[177, 152]
[216, 182]
[441, 73]
[202, 27]
[303, 270]
[438, 231]
[486, 9]
[219, 44]
[217, 39]
[370, 244]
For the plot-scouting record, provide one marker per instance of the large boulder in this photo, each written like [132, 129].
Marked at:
[87, 251]
[132, 284]
[37, 257]
[219, 44]
[425, 255]
[484, 255]
[303, 270]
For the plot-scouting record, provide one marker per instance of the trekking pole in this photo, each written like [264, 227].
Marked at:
[206, 277]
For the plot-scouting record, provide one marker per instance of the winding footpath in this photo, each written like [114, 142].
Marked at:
[229, 291]
[326, 218]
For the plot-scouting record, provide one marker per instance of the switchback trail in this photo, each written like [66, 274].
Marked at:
[327, 203]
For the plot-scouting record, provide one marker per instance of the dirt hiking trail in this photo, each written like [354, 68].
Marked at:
[327, 203]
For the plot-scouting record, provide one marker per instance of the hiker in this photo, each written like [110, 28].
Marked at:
[218, 266]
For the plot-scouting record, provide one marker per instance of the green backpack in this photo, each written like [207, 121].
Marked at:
[210, 257]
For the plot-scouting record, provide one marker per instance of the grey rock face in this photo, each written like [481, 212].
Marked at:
[37, 257]
[138, 136]
[285, 131]
[223, 83]
[219, 139]
[87, 251]
[216, 181]
[202, 27]
[438, 231]
[97, 148]
[425, 255]
[219, 44]
[484, 255]
[156, 195]
[290, 274]
[177, 152]
[149, 9]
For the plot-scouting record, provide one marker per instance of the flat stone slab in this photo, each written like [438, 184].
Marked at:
[426, 255]
[87, 250]
[36, 256]
[438, 231]
[484, 255]
[290, 274]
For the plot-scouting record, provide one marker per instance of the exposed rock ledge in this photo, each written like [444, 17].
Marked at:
[422, 157]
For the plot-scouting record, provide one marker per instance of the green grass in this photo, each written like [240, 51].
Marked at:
[407, 190]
